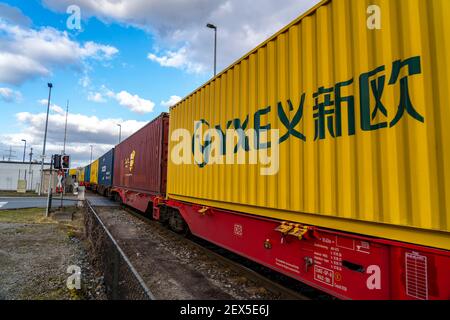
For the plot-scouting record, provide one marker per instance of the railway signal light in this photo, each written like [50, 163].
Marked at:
[57, 161]
[65, 162]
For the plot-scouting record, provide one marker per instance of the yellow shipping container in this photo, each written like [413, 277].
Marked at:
[359, 91]
[94, 172]
[80, 175]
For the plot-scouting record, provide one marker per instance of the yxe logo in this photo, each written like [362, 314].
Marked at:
[344, 109]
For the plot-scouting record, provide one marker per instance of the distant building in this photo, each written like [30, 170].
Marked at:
[12, 171]
[47, 179]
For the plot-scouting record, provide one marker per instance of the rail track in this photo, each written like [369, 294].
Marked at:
[224, 257]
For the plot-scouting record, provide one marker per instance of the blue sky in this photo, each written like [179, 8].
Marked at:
[127, 64]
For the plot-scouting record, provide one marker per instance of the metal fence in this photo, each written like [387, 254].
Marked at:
[122, 281]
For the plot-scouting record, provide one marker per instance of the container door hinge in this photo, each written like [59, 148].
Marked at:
[299, 231]
[284, 228]
[203, 210]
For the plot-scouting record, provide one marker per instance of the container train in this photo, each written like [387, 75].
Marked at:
[356, 199]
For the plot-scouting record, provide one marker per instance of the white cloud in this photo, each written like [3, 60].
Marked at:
[97, 51]
[16, 69]
[96, 97]
[53, 107]
[56, 109]
[107, 92]
[179, 26]
[9, 95]
[27, 53]
[156, 15]
[82, 131]
[131, 101]
[81, 128]
[177, 59]
[134, 102]
[13, 15]
[85, 80]
[173, 100]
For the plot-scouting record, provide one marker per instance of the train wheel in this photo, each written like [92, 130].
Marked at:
[118, 198]
[177, 223]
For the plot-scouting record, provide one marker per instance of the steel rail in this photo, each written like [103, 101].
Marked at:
[122, 253]
[272, 286]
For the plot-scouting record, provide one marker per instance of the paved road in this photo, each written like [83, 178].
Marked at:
[41, 202]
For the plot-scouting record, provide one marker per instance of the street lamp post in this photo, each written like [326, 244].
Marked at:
[120, 132]
[24, 149]
[211, 26]
[50, 86]
[29, 170]
[91, 152]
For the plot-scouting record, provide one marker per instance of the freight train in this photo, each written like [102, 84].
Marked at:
[322, 154]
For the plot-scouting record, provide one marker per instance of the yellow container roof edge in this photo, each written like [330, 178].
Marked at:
[245, 56]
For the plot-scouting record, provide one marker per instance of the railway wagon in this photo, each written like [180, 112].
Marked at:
[94, 175]
[105, 173]
[87, 176]
[140, 166]
[72, 176]
[324, 153]
[73, 173]
[80, 176]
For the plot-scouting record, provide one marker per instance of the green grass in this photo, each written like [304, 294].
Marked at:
[33, 215]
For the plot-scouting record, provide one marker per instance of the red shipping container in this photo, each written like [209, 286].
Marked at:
[140, 161]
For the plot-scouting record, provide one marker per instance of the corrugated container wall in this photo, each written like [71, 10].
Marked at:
[87, 173]
[362, 113]
[94, 172]
[140, 162]
[105, 169]
[80, 175]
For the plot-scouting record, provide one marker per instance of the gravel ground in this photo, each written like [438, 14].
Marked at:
[34, 256]
[172, 268]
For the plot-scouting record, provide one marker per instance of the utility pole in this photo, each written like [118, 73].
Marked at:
[91, 152]
[50, 86]
[25, 150]
[65, 129]
[10, 153]
[64, 151]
